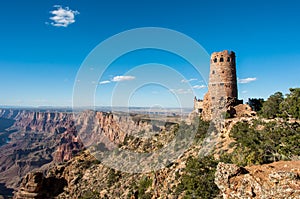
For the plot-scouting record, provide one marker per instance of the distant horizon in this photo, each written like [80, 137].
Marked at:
[138, 110]
[87, 107]
[107, 106]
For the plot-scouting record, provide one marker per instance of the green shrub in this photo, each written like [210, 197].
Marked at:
[226, 115]
[144, 184]
[113, 177]
[262, 143]
[202, 130]
[198, 180]
[90, 195]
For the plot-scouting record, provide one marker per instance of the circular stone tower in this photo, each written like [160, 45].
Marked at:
[222, 78]
[222, 89]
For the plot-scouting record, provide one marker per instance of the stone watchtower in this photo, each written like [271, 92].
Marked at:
[222, 78]
[222, 89]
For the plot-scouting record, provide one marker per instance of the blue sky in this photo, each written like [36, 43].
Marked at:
[40, 56]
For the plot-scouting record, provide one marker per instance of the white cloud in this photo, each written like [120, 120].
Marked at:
[122, 78]
[246, 80]
[181, 91]
[118, 79]
[104, 82]
[188, 80]
[63, 16]
[199, 86]
[244, 92]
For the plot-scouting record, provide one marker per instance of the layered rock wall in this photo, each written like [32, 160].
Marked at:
[42, 138]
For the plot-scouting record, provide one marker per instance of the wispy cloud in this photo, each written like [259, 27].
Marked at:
[122, 78]
[188, 80]
[118, 79]
[104, 82]
[63, 17]
[199, 86]
[246, 80]
[181, 91]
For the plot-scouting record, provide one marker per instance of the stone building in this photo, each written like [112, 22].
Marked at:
[222, 93]
[198, 105]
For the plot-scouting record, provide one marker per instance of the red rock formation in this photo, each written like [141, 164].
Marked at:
[69, 146]
[45, 137]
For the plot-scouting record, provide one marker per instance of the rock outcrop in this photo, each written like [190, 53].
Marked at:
[242, 110]
[36, 186]
[207, 112]
[69, 145]
[280, 180]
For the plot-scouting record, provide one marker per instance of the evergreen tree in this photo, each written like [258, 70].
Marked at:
[290, 107]
[270, 107]
[255, 104]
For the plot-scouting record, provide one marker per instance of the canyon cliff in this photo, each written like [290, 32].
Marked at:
[38, 139]
[49, 156]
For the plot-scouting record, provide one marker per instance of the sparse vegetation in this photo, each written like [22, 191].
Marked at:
[201, 131]
[261, 142]
[89, 195]
[113, 176]
[144, 184]
[226, 115]
[198, 180]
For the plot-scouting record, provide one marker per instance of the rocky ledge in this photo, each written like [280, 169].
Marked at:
[280, 180]
[36, 186]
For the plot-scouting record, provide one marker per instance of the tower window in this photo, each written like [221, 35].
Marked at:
[228, 59]
[221, 59]
[213, 72]
[215, 60]
[222, 84]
